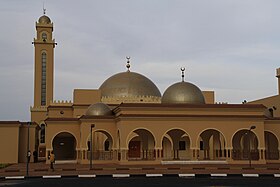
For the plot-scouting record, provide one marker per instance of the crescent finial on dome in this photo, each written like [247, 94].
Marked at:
[128, 63]
[44, 9]
[183, 73]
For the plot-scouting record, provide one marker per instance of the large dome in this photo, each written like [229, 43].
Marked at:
[98, 109]
[129, 84]
[183, 92]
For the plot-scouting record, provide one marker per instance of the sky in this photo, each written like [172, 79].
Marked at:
[231, 47]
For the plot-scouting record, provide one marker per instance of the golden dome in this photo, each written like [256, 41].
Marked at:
[129, 84]
[98, 109]
[183, 92]
[44, 19]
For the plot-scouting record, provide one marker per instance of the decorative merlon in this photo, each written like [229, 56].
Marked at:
[135, 99]
[221, 103]
[61, 102]
[38, 108]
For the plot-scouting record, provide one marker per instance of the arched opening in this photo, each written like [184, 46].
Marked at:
[102, 143]
[64, 146]
[245, 145]
[44, 79]
[141, 145]
[119, 145]
[42, 133]
[271, 146]
[212, 145]
[176, 145]
[167, 148]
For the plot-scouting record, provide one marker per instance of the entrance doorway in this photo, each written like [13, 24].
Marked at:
[64, 146]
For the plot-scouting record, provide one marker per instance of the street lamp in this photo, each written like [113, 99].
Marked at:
[28, 153]
[91, 127]
[250, 156]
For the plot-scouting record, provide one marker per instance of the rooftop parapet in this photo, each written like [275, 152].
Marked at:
[61, 103]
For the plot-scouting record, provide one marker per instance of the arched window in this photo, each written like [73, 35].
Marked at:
[43, 79]
[42, 133]
[44, 36]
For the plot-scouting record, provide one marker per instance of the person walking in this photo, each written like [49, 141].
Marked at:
[28, 156]
[35, 156]
[52, 160]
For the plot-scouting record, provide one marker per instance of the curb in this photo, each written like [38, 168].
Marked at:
[181, 175]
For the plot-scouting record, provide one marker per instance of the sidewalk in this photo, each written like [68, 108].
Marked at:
[42, 169]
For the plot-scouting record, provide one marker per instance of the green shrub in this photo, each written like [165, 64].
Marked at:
[4, 165]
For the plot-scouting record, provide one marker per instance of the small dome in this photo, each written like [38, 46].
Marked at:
[98, 109]
[129, 84]
[44, 19]
[183, 92]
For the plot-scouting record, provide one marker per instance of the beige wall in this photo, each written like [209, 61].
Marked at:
[209, 97]
[9, 139]
[38, 115]
[80, 110]
[60, 112]
[270, 102]
[23, 139]
[86, 96]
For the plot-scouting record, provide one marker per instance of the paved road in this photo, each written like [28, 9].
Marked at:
[145, 182]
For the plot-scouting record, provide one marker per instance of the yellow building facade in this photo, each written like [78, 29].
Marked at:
[127, 120]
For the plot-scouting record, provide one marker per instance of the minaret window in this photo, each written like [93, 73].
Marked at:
[42, 133]
[43, 79]
[44, 37]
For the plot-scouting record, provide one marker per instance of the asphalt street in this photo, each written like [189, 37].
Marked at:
[145, 182]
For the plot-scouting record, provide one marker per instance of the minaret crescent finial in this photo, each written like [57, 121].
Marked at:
[128, 63]
[183, 73]
[44, 9]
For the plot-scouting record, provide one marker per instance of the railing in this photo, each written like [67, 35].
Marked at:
[142, 155]
[245, 155]
[101, 155]
[177, 155]
[272, 155]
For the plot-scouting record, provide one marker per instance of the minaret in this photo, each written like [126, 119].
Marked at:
[44, 62]
[278, 76]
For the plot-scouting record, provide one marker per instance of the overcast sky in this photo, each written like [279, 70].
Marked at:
[229, 46]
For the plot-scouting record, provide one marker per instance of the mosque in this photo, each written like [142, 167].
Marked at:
[128, 121]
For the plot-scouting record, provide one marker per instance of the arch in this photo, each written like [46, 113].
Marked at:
[245, 129]
[102, 143]
[103, 131]
[168, 138]
[271, 146]
[141, 144]
[44, 51]
[143, 128]
[198, 138]
[43, 133]
[176, 128]
[44, 36]
[64, 146]
[178, 145]
[167, 147]
[62, 132]
[271, 132]
[118, 139]
[245, 145]
[212, 144]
